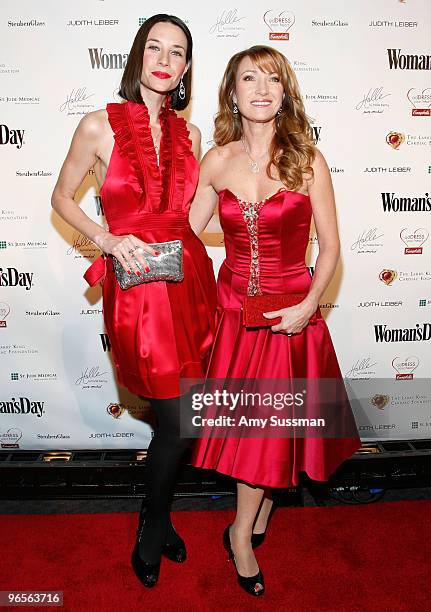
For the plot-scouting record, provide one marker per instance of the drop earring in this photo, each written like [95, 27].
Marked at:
[280, 110]
[182, 90]
[235, 109]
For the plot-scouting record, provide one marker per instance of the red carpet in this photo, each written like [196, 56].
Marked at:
[343, 558]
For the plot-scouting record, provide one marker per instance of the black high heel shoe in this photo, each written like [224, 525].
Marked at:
[257, 539]
[175, 551]
[147, 573]
[248, 583]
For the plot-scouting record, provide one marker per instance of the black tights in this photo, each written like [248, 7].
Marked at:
[163, 457]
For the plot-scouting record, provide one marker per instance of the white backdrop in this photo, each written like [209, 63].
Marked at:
[364, 71]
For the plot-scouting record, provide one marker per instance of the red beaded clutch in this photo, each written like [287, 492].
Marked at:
[254, 306]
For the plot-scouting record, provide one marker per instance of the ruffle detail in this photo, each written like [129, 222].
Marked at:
[163, 188]
[130, 123]
[176, 147]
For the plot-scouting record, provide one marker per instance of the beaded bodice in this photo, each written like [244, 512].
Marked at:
[265, 241]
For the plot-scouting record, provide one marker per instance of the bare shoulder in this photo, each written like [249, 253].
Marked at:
[195, 133]
[222, 153]
[215, 157]
[319, 163]
[94, 125]
[320, 170]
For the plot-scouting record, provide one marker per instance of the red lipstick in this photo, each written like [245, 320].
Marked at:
[161, 75]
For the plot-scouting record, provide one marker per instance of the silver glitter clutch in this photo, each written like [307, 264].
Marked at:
[168, 266]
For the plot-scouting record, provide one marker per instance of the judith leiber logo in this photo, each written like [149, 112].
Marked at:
[380, 401]
[414, 239]
[405, 367]
[388, 276]
[279, 24]
[395, 139]
[115, 410]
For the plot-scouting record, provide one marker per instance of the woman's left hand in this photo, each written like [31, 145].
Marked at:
[293, 319]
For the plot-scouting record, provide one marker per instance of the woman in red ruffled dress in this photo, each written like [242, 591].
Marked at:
[145, 159]
[268, 180]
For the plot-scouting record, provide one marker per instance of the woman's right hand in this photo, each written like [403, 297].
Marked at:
[127, 249]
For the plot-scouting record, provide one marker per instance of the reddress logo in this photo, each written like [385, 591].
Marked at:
[420, 99]
[4, 312]
[405, 367]
[414, 240]
[279, 24]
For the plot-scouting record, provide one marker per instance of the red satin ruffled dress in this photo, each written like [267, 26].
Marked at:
[160, 331]
[274, 263]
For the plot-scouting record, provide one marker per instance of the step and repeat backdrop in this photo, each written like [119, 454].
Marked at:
[364, 68]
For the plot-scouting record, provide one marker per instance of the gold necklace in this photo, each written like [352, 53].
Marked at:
[254, 166]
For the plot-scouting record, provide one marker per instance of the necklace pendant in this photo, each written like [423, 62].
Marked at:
[254, 167]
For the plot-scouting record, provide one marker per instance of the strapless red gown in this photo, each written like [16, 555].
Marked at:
[159, 332]
[283, 225]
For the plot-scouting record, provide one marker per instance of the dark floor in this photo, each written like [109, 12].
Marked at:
[71, 506]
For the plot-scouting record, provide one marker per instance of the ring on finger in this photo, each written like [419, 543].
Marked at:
[131, 251]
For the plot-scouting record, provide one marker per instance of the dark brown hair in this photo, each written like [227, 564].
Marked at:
[130, 88]
[292, 150]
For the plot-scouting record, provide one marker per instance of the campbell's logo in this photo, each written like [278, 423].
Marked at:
[279, 23]
[107, 61]
[22, 405]
[405, 367]
[11, 277]
[394, 203]
[395, 139]
[9, 136]
[402, 61]
[388, 276]
[420, 333]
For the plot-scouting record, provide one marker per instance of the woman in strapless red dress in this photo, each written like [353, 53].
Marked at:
[268, 179]
[144, 157]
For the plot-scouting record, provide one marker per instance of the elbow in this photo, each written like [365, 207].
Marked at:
[332, 248]
[55, 199]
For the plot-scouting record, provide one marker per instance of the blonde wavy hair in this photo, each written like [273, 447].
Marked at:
[292, 148]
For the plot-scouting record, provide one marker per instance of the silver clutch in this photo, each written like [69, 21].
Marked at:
[168, 266]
